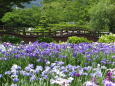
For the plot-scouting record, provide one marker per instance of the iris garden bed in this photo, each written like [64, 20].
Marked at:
[50, 64]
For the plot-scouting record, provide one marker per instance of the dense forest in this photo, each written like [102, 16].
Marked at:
[91, 14]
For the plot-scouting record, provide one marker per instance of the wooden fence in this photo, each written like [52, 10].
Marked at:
[23, 32]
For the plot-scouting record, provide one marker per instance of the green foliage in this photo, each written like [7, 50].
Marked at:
[43, 22]
[40, 29]
[53, 11]
[11, 39]
[67, 11]
[101, 15]
[95, 14]
[22, 17]
[112, 18]
[76, 40]
[66, 26]
[7, 5]
[45, 39]
[59, 26]
[107, 38]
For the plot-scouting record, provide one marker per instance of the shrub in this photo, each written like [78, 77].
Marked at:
[75, 40]
[45, 39]
[11, 39]
[107, 38]
[66, 26]
[40, 29]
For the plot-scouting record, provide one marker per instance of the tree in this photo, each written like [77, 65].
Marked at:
[102, 15]
[7, 5]
[23, 17]
[112, 18]
[66, 11]
[43, 22]
[53, 11]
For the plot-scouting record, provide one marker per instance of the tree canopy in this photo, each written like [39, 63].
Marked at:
[95, 14]
[102, 15]
[23, 17]
[7, 5]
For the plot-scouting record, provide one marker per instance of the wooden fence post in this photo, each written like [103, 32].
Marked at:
[43, 34]
[61, 33]
[49, 32]
[24, 31]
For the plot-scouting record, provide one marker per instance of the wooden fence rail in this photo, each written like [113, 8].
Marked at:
[22, 31]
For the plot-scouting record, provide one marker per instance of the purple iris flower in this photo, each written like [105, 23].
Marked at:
[77, 74]
[1, 75]
[15, 80]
